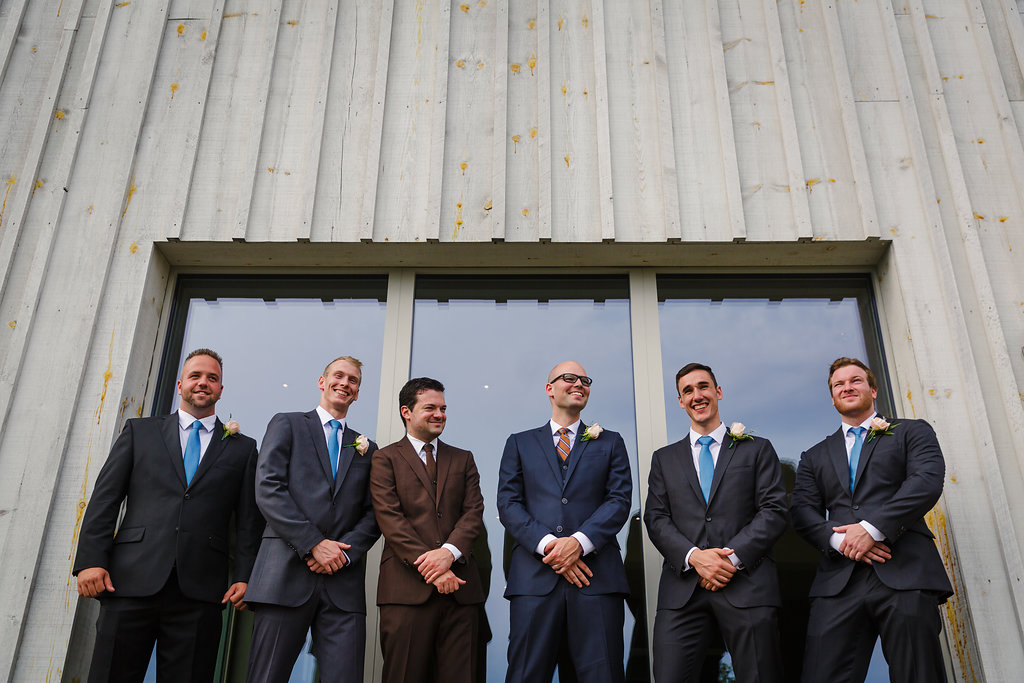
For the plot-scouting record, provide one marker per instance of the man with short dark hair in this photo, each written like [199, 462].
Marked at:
[312, 485]
[161, 576]
[564, 492]
[860, 498]
[716, 505]
[426, 495]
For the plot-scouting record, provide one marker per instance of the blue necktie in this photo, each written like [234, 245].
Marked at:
[332, 446]
[707, 466]
[858, 444]
[192, 448]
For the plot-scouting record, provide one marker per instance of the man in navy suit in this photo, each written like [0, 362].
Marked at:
[860, 498]
[716, 505]
[162, 576]
[564, 492]
[312, 485]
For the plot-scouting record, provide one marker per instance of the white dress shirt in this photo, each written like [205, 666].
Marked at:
[837, 538]
[325, 420]
[718, 434]
[185, 421]
[418, 447]
[588, 547]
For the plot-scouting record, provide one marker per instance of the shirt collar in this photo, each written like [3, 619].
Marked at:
[718, 434]
[573, 428]
[418, 445]
[866, 424]
[185, 420]
[326, 417]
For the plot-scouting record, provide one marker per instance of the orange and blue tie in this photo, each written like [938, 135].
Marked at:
[563, 444]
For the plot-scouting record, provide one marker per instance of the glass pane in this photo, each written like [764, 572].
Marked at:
[274, 351]
[492, 342]
[771, 358]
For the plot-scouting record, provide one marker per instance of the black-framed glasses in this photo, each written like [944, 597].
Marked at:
[570, 378]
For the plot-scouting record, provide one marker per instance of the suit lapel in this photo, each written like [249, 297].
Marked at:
[408, 454]
[725, 454]
[213, 451]
[169, 431]
[836, 445]
[316, 432]
[684, 457]
[443, 461]
[345, 456]
[865, 454]
[546, 445]
[576, 453]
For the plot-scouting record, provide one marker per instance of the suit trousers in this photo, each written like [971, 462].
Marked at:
[591, 625]
[279, 632]
[683, 636]
[434, 641]
[842, 630]
[186, 633]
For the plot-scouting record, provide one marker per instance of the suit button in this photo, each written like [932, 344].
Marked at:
[439, 515]
[565, 467]
[856, 507]
[565, 501]
[707, 519]
[188, 496]
[558, 528]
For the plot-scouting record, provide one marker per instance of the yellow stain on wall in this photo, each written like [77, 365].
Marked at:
[533, 133]
[122, 4]
[460, 63]
[910, 400]
[131, 191]
[1003, 219]
[10, 183]
[480, 64]
[458, 220]
[515, 144]
[202, 36]
[515, 68]
[181, 29]
[174, 89]
[464, 8]
[90, 209]
[531, 24]
[488, 206]
[765, 82]
[564, 88]
[811, 183]
[482, 4]
[560, 22]
[567, 159]
[463, 166]
[931, 392]
[133, 247]
[12, 324]
[585, 21]
[39, 183]
[59, 115]
[979, 216]
[526, 211]
[531, 62]
[980, 141]
[292, 22]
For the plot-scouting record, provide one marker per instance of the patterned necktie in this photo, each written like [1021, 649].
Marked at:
[563, 444]
[332, 447]
[858, 444]
[707, 466]
[428, 453]
[192, 448]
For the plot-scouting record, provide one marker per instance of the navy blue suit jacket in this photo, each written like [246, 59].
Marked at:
[747, 512]
[593, 498]
[899, 479]
[303, 505]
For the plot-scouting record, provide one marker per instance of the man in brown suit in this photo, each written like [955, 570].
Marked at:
[426, 496]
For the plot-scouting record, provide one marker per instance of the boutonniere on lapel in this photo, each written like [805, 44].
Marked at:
[738, 432]
[592, 432]
[361, 444]
[879, 425]
[231, 428]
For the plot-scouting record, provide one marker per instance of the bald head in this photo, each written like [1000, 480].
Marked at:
[564, 367]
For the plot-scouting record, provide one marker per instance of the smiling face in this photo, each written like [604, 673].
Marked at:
[426, 418]
[339, 387]
[567, 399]
[852, 394]
[699, 397]
[199, 386]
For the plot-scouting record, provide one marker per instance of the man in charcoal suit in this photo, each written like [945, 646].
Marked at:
[162, 575]
[312, 485]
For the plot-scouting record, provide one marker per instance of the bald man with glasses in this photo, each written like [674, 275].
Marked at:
[566, 581]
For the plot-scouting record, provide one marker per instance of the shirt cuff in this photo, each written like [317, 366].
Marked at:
[835, 540]
[686, 560]
[453, 550]
[544, 543]
[347, 561]
[734, 558]
[871, 529]
[587, 546]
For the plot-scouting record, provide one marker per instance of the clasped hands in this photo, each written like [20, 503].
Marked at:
[435, 568]
[859, 546]
[713, 566]
[327, 557]
[564, 556]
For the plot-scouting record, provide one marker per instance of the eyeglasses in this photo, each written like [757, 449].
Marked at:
[570, 378]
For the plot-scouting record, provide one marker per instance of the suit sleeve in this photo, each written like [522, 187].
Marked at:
[921, 488]
[755, 540]
[471, 519]
[611, 515]
[248, 520]
[365, 532]
[398, 531]
[273, 495]
[96, 539]
[807, 509]
[512, 499]
[669, 539]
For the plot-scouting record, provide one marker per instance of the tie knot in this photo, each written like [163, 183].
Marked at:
[706, 440]
[428, 448]
[563, 431]
[196, 426]
[335, 425]
[858, 431]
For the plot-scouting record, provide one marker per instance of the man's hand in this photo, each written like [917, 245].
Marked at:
[235, 595]
[327, 556]
[858, 545]
[577, 573]
[714, 566]
[93, 581]
[447, 583]
[562, 553]
[433, 563]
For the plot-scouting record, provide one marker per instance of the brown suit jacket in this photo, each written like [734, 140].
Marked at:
[413, 519]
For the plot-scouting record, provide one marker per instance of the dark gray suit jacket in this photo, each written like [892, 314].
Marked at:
[303, 505]
[747, 512]
[899, 478]
[166, 523]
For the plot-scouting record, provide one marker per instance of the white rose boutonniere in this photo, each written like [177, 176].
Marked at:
[361, 444]
[231, 428]
[592, 432]
[879, 425]
[738, 432]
